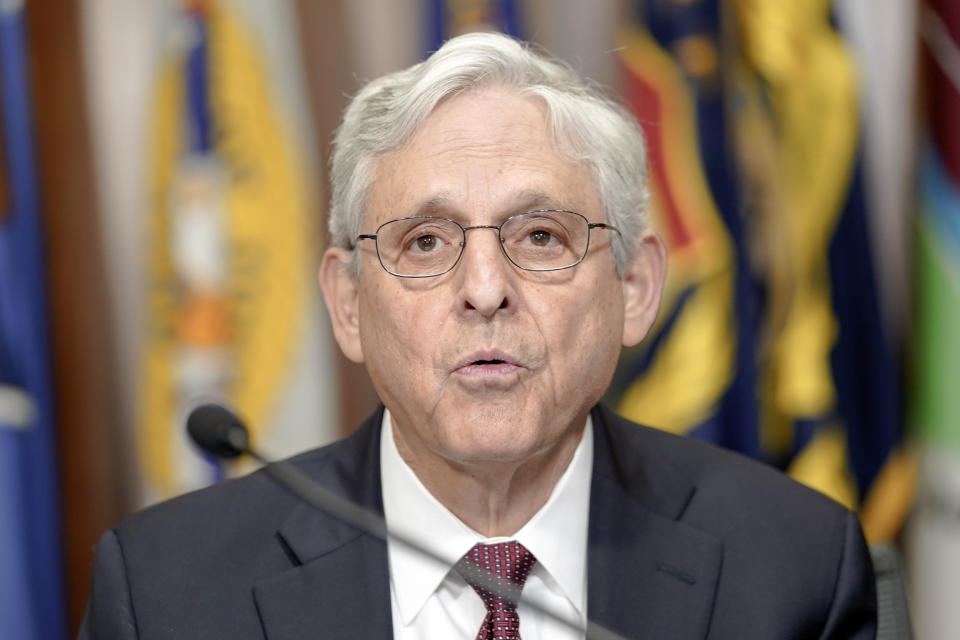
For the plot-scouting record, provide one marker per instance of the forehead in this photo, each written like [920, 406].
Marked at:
[480, 156]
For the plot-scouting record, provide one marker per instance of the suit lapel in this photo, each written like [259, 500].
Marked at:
[650, 575]
[343, 594]
[338, 585]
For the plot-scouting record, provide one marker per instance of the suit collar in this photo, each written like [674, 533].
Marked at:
[627, 455]
[650, 574]
[336, 570]
[350, 468]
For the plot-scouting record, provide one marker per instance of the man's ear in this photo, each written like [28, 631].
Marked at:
[341, 292]
[643, 287]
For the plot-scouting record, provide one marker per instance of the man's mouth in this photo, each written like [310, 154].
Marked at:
[487, 364]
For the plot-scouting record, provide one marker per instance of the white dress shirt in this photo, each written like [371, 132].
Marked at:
[431, 601]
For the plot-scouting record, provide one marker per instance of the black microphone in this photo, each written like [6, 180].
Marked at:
[218, 431]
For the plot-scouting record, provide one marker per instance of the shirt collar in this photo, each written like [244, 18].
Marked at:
[411, 510]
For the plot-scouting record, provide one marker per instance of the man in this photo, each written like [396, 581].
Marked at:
[490, 259]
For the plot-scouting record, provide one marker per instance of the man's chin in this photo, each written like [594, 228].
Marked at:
[493, 441]
[489, 455]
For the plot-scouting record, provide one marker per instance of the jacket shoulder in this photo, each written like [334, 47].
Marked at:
[716, 476]
[784, 544]
[245, 507]
[202, 552]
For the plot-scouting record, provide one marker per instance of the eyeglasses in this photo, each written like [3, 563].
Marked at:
[427, 246]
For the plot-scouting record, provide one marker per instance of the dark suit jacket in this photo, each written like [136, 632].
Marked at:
[686, 541]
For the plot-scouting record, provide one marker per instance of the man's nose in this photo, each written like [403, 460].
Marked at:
[485, 271]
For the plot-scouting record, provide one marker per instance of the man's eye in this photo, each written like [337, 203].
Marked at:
[541, 238]
[426, 243]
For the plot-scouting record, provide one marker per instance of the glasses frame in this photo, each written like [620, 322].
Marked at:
[499, 228]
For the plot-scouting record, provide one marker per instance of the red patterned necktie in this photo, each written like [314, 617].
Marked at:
[508, 564]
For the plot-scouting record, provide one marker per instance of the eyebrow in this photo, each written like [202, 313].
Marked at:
[442, 205]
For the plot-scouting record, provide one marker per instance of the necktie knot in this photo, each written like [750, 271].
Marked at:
[507, 564]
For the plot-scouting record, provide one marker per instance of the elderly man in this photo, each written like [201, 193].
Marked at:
[490, 259]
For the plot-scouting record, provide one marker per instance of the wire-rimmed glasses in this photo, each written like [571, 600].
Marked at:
[427, 246]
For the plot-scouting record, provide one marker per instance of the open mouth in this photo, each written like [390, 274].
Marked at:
[488, 364]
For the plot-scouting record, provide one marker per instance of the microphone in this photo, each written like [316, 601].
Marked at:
[219, 431]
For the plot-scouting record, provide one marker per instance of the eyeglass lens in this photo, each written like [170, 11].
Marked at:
[538, 241]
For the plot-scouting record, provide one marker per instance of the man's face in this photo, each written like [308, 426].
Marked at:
[487, 363]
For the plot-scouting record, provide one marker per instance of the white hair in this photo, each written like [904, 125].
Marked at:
[586, 125]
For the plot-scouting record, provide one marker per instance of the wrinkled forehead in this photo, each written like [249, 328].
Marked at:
[489, 151]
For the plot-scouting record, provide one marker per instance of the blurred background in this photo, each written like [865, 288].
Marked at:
[163, 186]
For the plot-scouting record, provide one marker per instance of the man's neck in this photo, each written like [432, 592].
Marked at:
[493, 498]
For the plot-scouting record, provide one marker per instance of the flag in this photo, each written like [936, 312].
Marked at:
[695, 373]
[449, 18]
[933, 547]
[770, 342]
[31, 581]
[233, 312]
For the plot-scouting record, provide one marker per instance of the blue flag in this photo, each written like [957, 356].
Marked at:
[31, 588]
